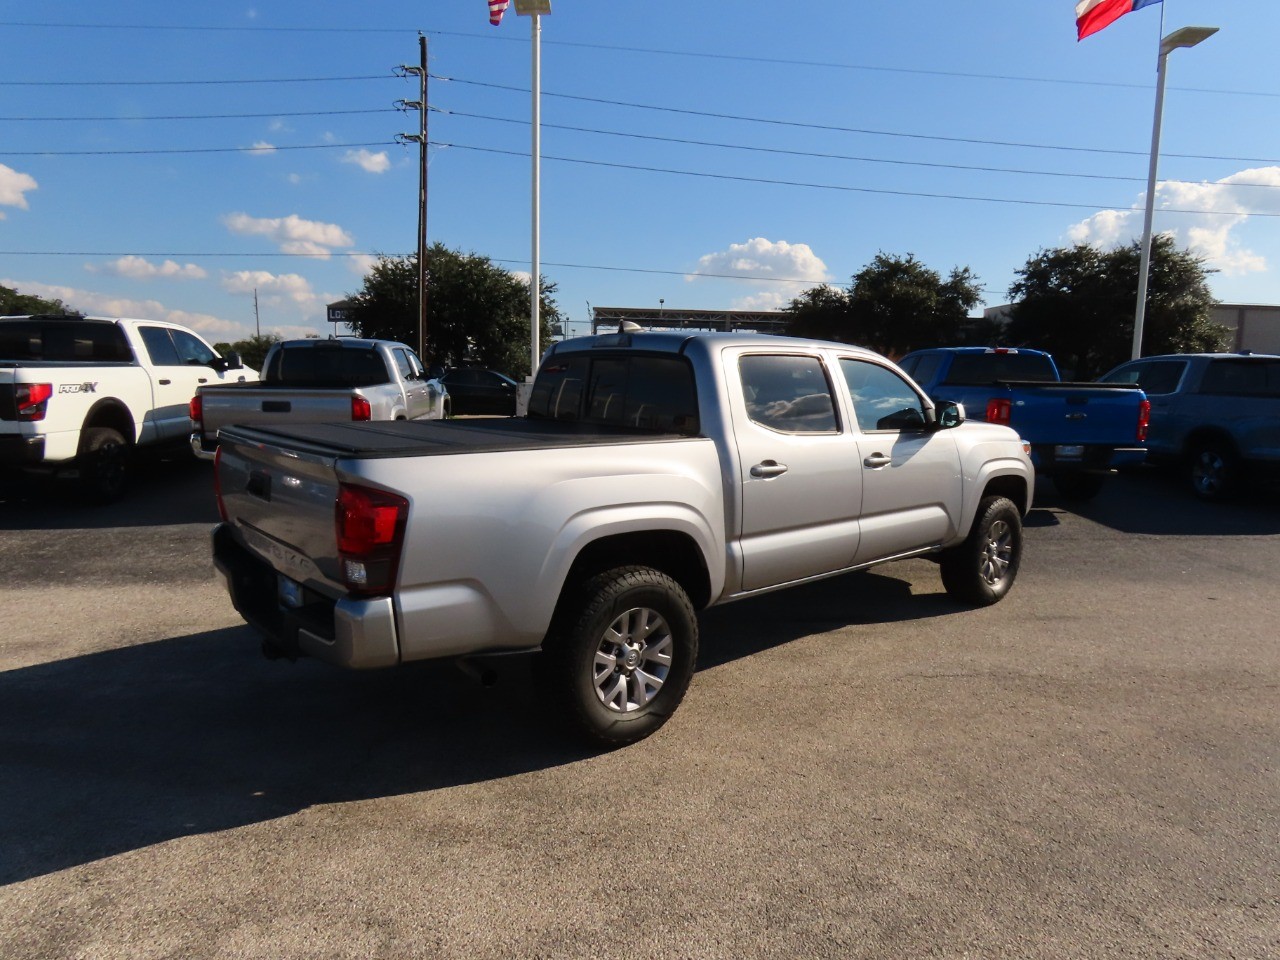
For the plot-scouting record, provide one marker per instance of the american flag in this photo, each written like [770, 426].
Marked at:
[496, 9]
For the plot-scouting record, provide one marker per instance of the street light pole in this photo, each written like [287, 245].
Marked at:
[1185, 37]
[534, 9]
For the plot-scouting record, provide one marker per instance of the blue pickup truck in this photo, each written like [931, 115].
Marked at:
[1215, 414]
[1079, 432]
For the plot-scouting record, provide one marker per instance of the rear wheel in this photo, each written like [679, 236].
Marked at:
[621, 655]
[103, 462]
[1214, 473]
[981, 570]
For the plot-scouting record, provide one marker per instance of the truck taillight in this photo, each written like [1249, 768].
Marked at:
[1144, 419]
[360, 409]
[33, 400]
[370, 530]
[217, 484]
[195, 409]
[999, 410]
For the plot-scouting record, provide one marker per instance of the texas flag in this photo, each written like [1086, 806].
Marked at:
[1093, 15]
[496, 9]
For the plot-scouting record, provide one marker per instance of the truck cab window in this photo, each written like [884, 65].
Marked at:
[788, 394]
[882, 400]
[192, 351]
[160, 346]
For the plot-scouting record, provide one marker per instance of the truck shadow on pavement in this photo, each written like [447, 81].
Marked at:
[127, 748]
[1159, 503]
[165, 488]
[120, 750]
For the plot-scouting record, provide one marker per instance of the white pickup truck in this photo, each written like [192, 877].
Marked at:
[315, 381]
[81, 393]
[655, 474]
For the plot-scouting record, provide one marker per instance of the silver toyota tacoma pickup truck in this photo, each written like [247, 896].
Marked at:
[315, 381]
[655, 474]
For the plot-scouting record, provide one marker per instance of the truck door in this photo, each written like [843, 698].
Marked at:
[911, 482]
[174, 381]
[801, 477]
[417, 397]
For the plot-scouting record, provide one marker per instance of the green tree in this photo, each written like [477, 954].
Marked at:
[13, 303]
[477, 312]
[894, 304]
[1078, 303]
[253, 351]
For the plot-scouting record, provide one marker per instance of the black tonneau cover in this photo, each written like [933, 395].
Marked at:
[425, 438]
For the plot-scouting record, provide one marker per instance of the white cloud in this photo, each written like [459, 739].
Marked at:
[277, 288]
[361, 263]
[1210, 235]
[778, 270]
[261, 147]
[292, 233]
[14, 187]
[369, 162]
[107, 305]
[294, 178]
[138, 268]
[761, 259]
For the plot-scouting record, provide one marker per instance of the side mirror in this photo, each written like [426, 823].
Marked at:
[947, 415]
[233, 361]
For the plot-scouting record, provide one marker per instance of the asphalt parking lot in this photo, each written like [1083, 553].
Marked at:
[861, 768]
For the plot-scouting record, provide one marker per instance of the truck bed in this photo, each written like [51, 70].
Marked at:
[439, 437]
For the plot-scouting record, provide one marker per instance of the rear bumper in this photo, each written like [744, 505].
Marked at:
[1048, 461]
[19, 450]
[356, 634]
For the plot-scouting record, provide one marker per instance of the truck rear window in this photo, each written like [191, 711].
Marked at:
[322, 366]
[641, 392]
[983, 368]
[95, 341]
[1242, 378]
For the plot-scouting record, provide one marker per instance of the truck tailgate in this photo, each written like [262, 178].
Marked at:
[1069, 413]
[280, 503]
[225, 405]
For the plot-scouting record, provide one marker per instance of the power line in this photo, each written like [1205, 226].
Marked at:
[833, 156]
[186, 83]
[846, 188]
[200, 116]
[311, 256]
[840, 129]
[269, 148]
[618, 48]
[667, 170]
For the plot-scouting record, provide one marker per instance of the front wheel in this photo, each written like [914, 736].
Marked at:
[622, 654]
[981, 570]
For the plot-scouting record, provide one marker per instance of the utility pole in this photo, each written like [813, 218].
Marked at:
[421, 139]
[257, 326]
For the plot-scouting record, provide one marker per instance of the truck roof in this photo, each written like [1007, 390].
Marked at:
[677, 341]
[351, 343]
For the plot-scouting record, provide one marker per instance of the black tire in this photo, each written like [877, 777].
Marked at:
[1213, 471]
[1078, 486]
[621, 654]
[103, 462]
[981, 570]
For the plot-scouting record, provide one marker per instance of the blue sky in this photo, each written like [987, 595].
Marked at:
[772, 145]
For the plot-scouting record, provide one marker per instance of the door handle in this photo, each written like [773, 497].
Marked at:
[165, 383]
[877, 460]
[769, 468]
[202, 380]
